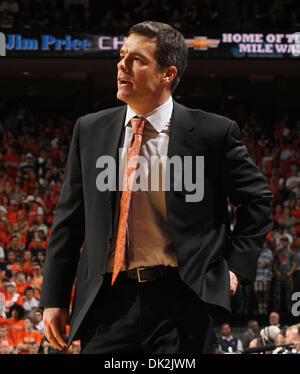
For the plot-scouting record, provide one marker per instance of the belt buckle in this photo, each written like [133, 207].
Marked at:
[139, 275]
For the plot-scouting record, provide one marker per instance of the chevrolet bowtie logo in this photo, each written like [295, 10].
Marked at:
[202, 43]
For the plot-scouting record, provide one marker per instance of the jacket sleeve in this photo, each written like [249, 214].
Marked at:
[248, 190]
[67, 234]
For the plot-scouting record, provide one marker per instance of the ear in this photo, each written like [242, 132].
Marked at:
[169, 74]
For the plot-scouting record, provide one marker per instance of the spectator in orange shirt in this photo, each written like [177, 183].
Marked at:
[16, 246]
[275, 163]
[16, 231]
[11, 259]
[26, 263]
[6, 343]
[34, 348]
[28, 165]
[11, 161]
[287, 220]
[278, 211]
[22, 221]
[14, 269]
[5, 203]
[21, 282]
[28, 336]
[37, 279]
[12, 214]
[15, 322]
[36, 245]
[276, 185]
[33, 209]
[3, 285]
[12, 297]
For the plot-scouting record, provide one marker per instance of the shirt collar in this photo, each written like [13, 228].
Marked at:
[158, 117]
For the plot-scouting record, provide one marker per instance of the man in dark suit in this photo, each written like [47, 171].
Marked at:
[181, 261]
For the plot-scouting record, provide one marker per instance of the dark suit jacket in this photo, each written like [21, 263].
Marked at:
[206, 247]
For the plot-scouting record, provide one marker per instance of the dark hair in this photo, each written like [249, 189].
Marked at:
[29, 288]
[19, 309]
[171, 48]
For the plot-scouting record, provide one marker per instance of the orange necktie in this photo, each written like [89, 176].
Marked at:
[128, 179]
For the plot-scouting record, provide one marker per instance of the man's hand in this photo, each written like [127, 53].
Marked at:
[55, 320]
[234, 282]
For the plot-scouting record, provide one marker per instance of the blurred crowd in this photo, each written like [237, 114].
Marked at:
[189, 16]
[273, 338]
[33, 153]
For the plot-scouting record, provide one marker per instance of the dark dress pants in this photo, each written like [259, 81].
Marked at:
[161, 316]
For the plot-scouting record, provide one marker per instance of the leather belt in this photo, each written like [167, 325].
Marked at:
[147, 274]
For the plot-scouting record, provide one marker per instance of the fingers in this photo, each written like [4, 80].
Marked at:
[51, 338]
[233, 283]
[54, 328]
[54, 336]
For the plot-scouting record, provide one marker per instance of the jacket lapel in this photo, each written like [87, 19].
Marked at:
[182, 127]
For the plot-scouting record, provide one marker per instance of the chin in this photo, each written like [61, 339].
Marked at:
[123, 96]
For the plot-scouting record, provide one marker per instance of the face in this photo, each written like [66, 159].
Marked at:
[140, 80]
[3, 332]
[293, 336]
[255, 327]
[280, 339]
[274, 319]
[28, 323]
[226, 331]
[38, 316]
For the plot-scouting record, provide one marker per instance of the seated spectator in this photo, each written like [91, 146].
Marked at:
[284, 265]
[287, 220]
[28, 336]
[274, 319]
[33, 209]
[37, 280]
[12, 297]
[251, 333]
[263, 278]
[293, 335]
[14, 269]
[38, 320]
[227, 343]
[23, 223]
[16, 246]
[21, 282]
[10, 5]
[15, 322]
[41, 256]
[280, 340]
[75, 348]
[11, 259]
[6, 343]
[293, 182]
[12, 214]
[15, 231]
[11, 161]
[268, 336]
[27, 263]
[33, 348]
[29, 301]
[37, 245]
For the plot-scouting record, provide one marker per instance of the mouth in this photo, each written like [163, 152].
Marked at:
[124, 83]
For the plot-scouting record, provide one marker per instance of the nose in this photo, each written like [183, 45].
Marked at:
[122, 65]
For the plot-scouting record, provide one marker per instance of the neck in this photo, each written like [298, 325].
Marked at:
[146, 107]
